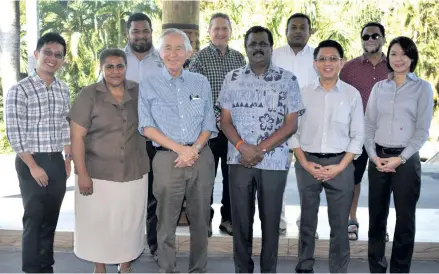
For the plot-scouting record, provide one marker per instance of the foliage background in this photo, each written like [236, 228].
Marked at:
[90, 26]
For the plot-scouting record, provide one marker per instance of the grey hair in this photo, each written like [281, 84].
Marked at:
[112, 52]
[187, 42]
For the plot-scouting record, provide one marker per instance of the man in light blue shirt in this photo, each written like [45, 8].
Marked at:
[176, 113]
[260, 106]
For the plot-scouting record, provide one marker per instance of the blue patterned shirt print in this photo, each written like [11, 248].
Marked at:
[259, 105]
[181, 108]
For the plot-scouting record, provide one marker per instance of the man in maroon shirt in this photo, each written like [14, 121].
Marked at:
[362, 73]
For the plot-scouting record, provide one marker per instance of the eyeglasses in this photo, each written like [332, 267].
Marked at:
[374, 36]
[50, 53]
[331, 59]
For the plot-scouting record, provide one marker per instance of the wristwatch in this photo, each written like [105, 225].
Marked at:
[68, 156]
[197, 146]
[403, 159]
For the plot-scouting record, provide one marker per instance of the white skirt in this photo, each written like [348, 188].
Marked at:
[110, 224]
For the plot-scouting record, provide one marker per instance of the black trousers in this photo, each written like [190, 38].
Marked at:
[360, 166]
[151, 216]
[269, 186]
[406, 186]
[41, 210]
[218, 146]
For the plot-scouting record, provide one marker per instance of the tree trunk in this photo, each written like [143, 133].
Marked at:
[9, 45]
[32, 33]
[184, 15]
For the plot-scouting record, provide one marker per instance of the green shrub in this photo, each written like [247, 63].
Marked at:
[5, 147]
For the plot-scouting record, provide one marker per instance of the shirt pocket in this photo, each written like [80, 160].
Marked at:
[342, 114]
[196, 107]
[38, 107]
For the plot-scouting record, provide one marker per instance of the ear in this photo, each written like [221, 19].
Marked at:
[312, 31]
[36, 53]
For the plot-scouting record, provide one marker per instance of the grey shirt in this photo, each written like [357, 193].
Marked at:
[399, 117]
[333, 121]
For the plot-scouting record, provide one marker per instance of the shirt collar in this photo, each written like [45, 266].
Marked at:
[34, 75]
[364, 59]
[412, 76]
[216, 50]
[306, 49]
[271, 68]
[318, 86]
[169, 77]
[129, 87]
[152, 52]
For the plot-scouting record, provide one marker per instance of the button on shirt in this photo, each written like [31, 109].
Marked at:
[362, 75]
[212, 64]
[136, 69]
[301, 65]
[399, 116]
[181, 108]
[333, 121]
[114, 149]
[36, 115]
[259, 105]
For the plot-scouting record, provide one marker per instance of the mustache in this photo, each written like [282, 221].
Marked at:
[258, 51]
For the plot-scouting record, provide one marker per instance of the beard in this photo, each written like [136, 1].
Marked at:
[141, 48]
[371, 51]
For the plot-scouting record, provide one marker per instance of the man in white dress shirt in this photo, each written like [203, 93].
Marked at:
[296, 57]
[330, 135]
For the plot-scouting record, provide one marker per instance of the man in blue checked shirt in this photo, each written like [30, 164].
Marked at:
[176, 113]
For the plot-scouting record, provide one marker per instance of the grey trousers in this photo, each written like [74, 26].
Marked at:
[170, 187]
[269, 185]
[339, 193]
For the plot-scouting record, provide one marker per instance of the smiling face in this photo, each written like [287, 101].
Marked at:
[258, 49]
[219, 32]
[375, 40]
[50, 58]
[398, 60]
[328, 63]
[114, 69]
[173, 52]
[140, 36]
[298, 32]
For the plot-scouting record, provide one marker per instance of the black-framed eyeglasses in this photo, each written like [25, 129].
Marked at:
[374, 36]
[50, 53]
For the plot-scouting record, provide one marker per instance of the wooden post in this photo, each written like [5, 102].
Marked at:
[184, 15]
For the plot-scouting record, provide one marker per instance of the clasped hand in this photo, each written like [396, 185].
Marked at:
[251, 155]
[187, 156]
[323, 173]
[386, 164]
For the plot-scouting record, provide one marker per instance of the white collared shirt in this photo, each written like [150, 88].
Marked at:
[333, 121]
[136, 68]
[301, 65]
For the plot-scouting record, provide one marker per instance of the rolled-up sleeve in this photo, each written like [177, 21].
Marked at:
[424, 115]
[144, 108]
[370, 123]
[209, 122]
[16, 119]
[356, 128]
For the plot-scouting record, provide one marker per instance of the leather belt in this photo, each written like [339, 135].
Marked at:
[167, 149]
[325, 155]
[389, 150]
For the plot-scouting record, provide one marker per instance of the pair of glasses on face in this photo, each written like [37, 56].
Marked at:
[374, 36]
[50, 53]
[330, 59]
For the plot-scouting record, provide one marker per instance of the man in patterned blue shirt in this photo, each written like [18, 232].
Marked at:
[260, 107]
[176, 113]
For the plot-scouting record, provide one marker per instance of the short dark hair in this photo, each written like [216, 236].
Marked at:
[409, 48]
[112, 52]
[49, 38]
[299, 15]
[329, 44]
[258, 29]
[138, 17]
[374, 24]
[219, 15]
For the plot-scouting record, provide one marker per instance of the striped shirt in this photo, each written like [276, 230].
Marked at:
[210, 63]
[36, 115]
[180, 108]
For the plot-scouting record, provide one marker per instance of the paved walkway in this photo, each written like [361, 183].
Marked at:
[67, 262]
